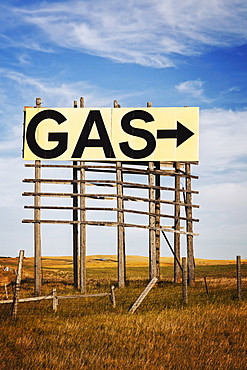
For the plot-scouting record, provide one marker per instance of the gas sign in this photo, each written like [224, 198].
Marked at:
[119, 134]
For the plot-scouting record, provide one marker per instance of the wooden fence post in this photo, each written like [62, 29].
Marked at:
[112, 296]
[54, 299]
[184, 280]
[143, 295]
[239, 279]
[17, 285]
[6, 291]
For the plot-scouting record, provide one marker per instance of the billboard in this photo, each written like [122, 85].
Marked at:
[118, 134]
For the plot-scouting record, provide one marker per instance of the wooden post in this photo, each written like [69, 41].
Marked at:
[6, 291]
[143, 295]
[189, 227]
[152, 219]
[157, 220]
[156, 237]
[120, 228]
[184, 280]
[75, 225]
[54, 299]
[17, 285]
[120, 218]
[177, 224]
[37, 226]
[206, 285]
[239, 279]
[75, 228]
[83, 238]
[112, 296]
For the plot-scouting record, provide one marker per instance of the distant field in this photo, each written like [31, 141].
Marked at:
[105, 267]
[97, 261]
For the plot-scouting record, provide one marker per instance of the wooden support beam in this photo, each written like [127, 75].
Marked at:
[152, 219]
[110, 183]
[120, 220]
[120, 228]
[177, 225]
[112, 209]
[75, 228]
[107, 196]
[189, 227]
[75, 225]
[108, 223]
[112, 169]
[83, 237]
[157, 219]
[37, 226]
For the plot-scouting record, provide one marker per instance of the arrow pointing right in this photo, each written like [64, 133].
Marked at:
[182, 134]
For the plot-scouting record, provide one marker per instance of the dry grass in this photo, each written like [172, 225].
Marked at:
[208, 333]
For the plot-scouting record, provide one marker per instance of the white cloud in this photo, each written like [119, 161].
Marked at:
[147, 32]
[193, 88]
[222, 184]
[223, 141]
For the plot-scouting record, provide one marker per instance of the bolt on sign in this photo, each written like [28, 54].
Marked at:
[118, 134]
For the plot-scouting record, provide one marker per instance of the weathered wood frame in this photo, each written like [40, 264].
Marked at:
[154, 172]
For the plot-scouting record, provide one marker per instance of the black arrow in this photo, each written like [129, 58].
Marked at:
[182, 134]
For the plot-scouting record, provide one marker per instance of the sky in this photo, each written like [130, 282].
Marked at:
[171, 53]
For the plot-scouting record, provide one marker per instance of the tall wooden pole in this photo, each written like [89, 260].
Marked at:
[37, 231]
[177, 224]
[153, 235]
[75, 218]
[120, 228]
[120, 219]
[189, 226]
[157, 220]
[82, 225]
[152, 220]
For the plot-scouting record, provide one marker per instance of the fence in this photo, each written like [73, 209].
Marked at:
[212, 283]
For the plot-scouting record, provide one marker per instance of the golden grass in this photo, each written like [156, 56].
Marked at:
[96, 261]
[208, 333]
[162, 334]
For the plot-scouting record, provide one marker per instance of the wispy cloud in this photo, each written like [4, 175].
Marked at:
[194, 88]
[148, 32]
[53, 94]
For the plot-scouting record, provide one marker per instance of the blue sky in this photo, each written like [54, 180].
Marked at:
[169, 52]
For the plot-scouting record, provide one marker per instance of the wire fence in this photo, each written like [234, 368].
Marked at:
[214, 283]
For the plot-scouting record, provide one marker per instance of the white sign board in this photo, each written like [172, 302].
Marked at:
[118, 134]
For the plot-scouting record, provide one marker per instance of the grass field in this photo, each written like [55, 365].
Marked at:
[164, 333]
